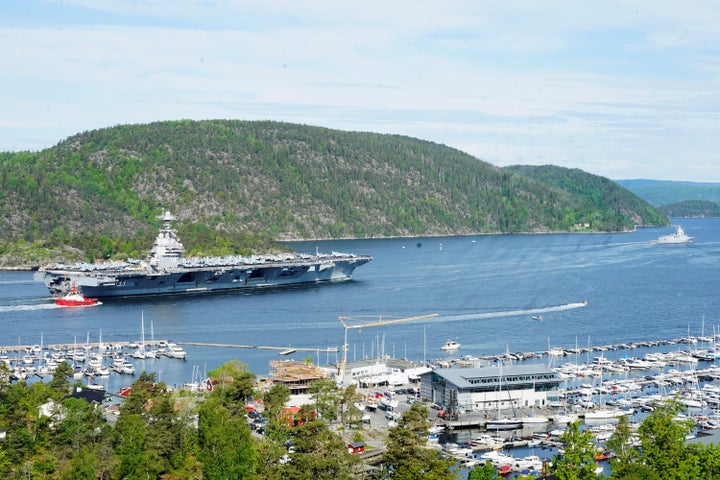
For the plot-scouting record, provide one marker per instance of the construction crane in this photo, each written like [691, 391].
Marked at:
[377, 323]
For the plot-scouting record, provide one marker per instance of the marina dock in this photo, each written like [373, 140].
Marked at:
[283, 350]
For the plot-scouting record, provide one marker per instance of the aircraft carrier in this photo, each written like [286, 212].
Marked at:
[167, 272]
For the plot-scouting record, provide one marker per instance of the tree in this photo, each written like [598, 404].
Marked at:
[483, 472]
[325, 397]
[318, 454]
[227, 451]
[132, 464]
[636, 471]
[662, 438]
[60, 382]
[80, 424]
[621, 444]
[707, 457]
[275, 400]
[350, 415]
[142, 390]
[81, 466]
[233, 385]
[5, 375]
[578, 461]
[407, 456]
[164, 432]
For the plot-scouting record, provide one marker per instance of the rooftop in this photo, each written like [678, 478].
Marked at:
[469, 377]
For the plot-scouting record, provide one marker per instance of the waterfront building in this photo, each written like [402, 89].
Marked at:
[371, 372]
[495, 388]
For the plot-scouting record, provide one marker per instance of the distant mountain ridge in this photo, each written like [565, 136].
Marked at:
[678, 199]
[235, 184]
[664, 192]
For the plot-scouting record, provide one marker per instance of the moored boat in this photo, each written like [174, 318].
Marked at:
[535, 419]
[175, 351]
[505, 423]
[122, 365]
[605, 413]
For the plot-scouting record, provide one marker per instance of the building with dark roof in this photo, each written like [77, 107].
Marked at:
[500, 387]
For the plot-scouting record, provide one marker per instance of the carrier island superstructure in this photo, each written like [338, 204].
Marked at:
[166, 271]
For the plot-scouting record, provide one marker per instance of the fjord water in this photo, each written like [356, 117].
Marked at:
[484, 290]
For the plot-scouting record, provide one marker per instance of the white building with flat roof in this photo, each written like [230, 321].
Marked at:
[499, 387]
[382, 371]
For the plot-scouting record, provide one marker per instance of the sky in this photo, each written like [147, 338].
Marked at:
[623, 89]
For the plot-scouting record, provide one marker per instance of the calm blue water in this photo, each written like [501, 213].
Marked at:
[483, 288]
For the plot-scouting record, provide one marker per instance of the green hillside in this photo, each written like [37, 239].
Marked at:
[611, 204]
[237, 185]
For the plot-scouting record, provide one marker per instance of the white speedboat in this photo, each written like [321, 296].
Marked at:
[563, 418]
[535, 419]
[677, 237]
[450, 346]
[504, 423]
[605, 413]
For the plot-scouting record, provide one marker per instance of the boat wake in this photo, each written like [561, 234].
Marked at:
[509, 313]
[24, 308]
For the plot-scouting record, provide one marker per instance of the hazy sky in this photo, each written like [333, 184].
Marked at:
[623, 89]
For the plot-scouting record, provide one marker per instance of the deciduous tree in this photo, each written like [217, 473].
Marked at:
[621, 444]
[227, 451]
[578, 461]
[662, 437]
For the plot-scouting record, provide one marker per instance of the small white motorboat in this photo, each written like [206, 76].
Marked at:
[450, 346]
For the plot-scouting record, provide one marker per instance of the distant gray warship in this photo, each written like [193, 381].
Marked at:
[165, 271]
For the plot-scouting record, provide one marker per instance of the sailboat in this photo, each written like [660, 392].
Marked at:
[95, 365]
[604, 413]
[152, 352]
[140, 353]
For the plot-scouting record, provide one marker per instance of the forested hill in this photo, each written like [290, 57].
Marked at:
[285, 181]
[608, 198]
[692, 208]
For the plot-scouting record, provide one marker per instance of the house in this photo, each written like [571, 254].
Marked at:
[296, 416]
[53, 409]
[356, 447]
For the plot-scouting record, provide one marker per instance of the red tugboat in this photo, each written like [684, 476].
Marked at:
[75, 299]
